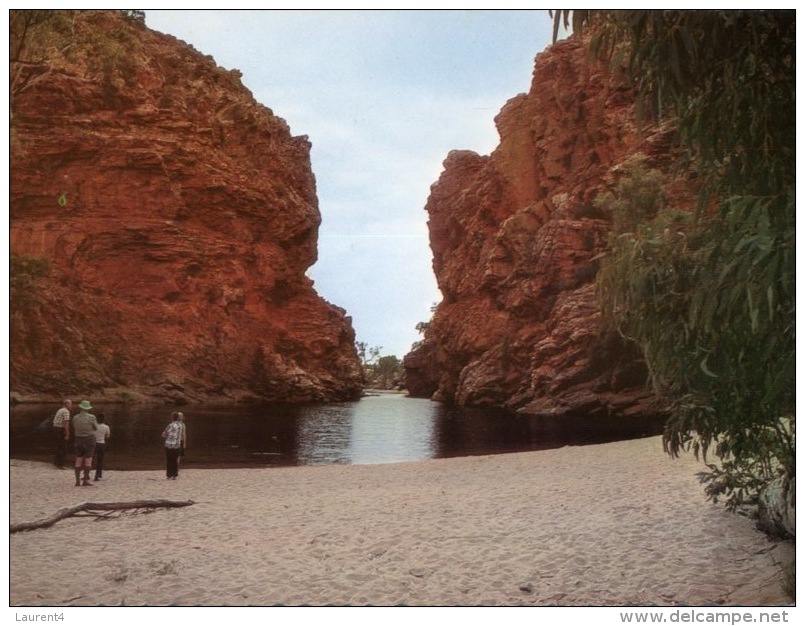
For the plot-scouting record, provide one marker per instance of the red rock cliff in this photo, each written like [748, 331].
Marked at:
[515, 237]
[161, 224]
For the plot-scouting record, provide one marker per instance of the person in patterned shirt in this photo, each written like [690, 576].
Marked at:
[173, 443]
[61, 433]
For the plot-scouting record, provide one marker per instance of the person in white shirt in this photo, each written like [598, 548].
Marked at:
[184, 438]
[173, 442]
[101, 437]
[61, 433]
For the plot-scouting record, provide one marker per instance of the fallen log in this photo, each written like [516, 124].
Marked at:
[89, 507]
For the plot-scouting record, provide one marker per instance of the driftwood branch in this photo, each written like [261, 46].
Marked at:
[89, 507]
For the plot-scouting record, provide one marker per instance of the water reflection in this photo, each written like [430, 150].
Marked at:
[324, 435]
[382, 429]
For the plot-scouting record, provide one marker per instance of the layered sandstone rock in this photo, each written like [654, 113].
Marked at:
[161, 224]
[515, 239]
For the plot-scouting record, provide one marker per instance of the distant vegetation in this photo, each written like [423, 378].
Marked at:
[386, 372]
[710, 296]
[379, 372]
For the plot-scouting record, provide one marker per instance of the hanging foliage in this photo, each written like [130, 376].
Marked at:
[710, 296]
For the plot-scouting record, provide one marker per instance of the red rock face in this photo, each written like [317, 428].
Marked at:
[172, 219]
[515, 237]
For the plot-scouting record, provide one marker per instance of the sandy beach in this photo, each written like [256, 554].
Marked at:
[612, 524]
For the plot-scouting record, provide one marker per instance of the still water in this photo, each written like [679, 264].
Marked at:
[386, 428]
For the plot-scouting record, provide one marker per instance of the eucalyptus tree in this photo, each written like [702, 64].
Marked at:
[710, 296]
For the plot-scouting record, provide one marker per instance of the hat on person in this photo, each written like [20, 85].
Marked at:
[85, 405]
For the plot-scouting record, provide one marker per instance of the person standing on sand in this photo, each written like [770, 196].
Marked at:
[173, 441]
[184, 439]
[101, 437]
[61, 433]
[84, 427]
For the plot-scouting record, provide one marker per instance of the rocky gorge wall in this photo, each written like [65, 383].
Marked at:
[516, 237]
[161, 224]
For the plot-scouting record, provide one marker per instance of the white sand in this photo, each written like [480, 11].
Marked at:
[612, 524]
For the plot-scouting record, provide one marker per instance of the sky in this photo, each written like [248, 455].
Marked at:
[383, 96]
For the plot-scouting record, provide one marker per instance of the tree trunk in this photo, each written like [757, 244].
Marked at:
[777, 507]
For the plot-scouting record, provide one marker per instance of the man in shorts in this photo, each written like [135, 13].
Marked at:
[84, 427]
